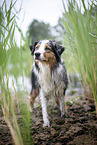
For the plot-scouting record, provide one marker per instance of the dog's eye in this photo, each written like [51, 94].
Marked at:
[47, 49]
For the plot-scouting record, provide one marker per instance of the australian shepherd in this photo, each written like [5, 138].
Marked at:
[49, 76]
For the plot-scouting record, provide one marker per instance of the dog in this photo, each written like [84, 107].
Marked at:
[48, 76]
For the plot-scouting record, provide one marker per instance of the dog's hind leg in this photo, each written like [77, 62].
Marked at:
[44, 110]
[33, 95]
[62, 106]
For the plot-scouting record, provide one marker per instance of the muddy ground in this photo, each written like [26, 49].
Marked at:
[79, 128]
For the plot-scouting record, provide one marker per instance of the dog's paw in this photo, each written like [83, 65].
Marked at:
[46, 124]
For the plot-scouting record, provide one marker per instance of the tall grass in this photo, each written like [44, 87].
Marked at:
[80, 37]
[15, 105]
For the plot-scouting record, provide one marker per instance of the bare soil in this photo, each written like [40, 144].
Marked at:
[79, 128]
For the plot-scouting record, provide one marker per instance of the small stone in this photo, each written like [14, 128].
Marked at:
[60, 121]
[54, 132]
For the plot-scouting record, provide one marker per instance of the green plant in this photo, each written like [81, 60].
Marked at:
[80, 39]
[15, 105]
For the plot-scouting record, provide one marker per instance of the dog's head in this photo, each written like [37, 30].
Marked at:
[46, 51]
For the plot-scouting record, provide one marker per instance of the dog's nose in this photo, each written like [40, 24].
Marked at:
[37, 54]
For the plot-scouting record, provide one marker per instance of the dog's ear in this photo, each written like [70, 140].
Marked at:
[32, 47]
[57, 49]
[60, 49]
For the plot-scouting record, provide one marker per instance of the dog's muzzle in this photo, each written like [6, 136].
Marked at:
[37, 55]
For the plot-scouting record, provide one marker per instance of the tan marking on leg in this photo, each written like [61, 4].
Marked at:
[33, 96]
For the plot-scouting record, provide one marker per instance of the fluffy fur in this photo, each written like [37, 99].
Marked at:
[48, 77]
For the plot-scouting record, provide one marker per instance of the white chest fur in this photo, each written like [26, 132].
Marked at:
[45, 79]
[51, 84]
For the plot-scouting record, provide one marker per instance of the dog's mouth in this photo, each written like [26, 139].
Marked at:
[37, 58]
[42, 60]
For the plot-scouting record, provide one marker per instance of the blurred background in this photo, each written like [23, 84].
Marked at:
[72, 24]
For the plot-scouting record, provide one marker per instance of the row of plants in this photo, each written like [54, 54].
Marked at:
[15, 105]
[79, 25]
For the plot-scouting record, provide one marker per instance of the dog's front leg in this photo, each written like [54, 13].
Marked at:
[44, 109]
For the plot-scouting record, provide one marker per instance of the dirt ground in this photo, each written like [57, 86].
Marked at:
[79, 128]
